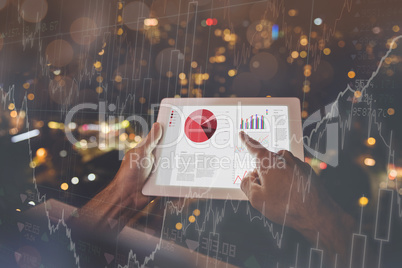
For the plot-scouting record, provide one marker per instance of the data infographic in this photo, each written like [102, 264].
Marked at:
[206, 144]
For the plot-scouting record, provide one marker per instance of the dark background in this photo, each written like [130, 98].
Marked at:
[40, 83]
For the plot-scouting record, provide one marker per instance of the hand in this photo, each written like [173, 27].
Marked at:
[122, 198]
[287, 191]
[136, 168]
[282, 187]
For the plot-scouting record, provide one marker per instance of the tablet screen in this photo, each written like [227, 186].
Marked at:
[202, 147]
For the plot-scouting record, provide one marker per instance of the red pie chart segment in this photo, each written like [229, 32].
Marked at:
[200, 125]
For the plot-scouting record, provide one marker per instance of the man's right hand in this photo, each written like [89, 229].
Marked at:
[282, 187]
[287, 191]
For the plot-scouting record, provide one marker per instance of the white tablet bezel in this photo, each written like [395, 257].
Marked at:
[295, 132]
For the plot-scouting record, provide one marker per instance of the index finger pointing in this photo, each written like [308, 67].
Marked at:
[254, 147]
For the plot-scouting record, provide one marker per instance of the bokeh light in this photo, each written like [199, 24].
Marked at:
[392, 174]
[191, 219]
[84, 31]
[294, 54]
[182, 76]
[196, 212]
[209, 22]
[357, 94]
[75, 180]
[323, 165]
[292, 12]
[351, 74]
[91, 177]
[33, 10]
[376, 30]
[369, 162]
[41, 153]
[59, 53]
[317, 21]
[150, 22]
[264, 65]
[97, 64]
[327, 51]
[13, 114]
[63, 153]
[134, 14]
[179, 226]
[26, 85]
[64, 186]
[307, 70]
[303, 40]
[259, 34]
[232, 72]
[363, 201]
[371, 141]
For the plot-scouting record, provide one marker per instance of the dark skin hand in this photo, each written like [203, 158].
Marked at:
[287, 191]
[123, 198]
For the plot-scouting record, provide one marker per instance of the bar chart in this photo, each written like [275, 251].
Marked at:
[255, 121]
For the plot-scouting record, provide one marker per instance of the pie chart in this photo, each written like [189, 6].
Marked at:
[200, 125]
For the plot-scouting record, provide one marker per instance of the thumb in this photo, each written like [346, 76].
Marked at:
[152, 139]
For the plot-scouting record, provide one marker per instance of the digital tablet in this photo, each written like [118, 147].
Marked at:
[200, 154]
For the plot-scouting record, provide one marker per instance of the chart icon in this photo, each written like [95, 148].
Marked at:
[200, 125]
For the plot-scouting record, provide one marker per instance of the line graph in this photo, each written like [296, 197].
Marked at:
[240, 178]
[241, 55]
[301, 183]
